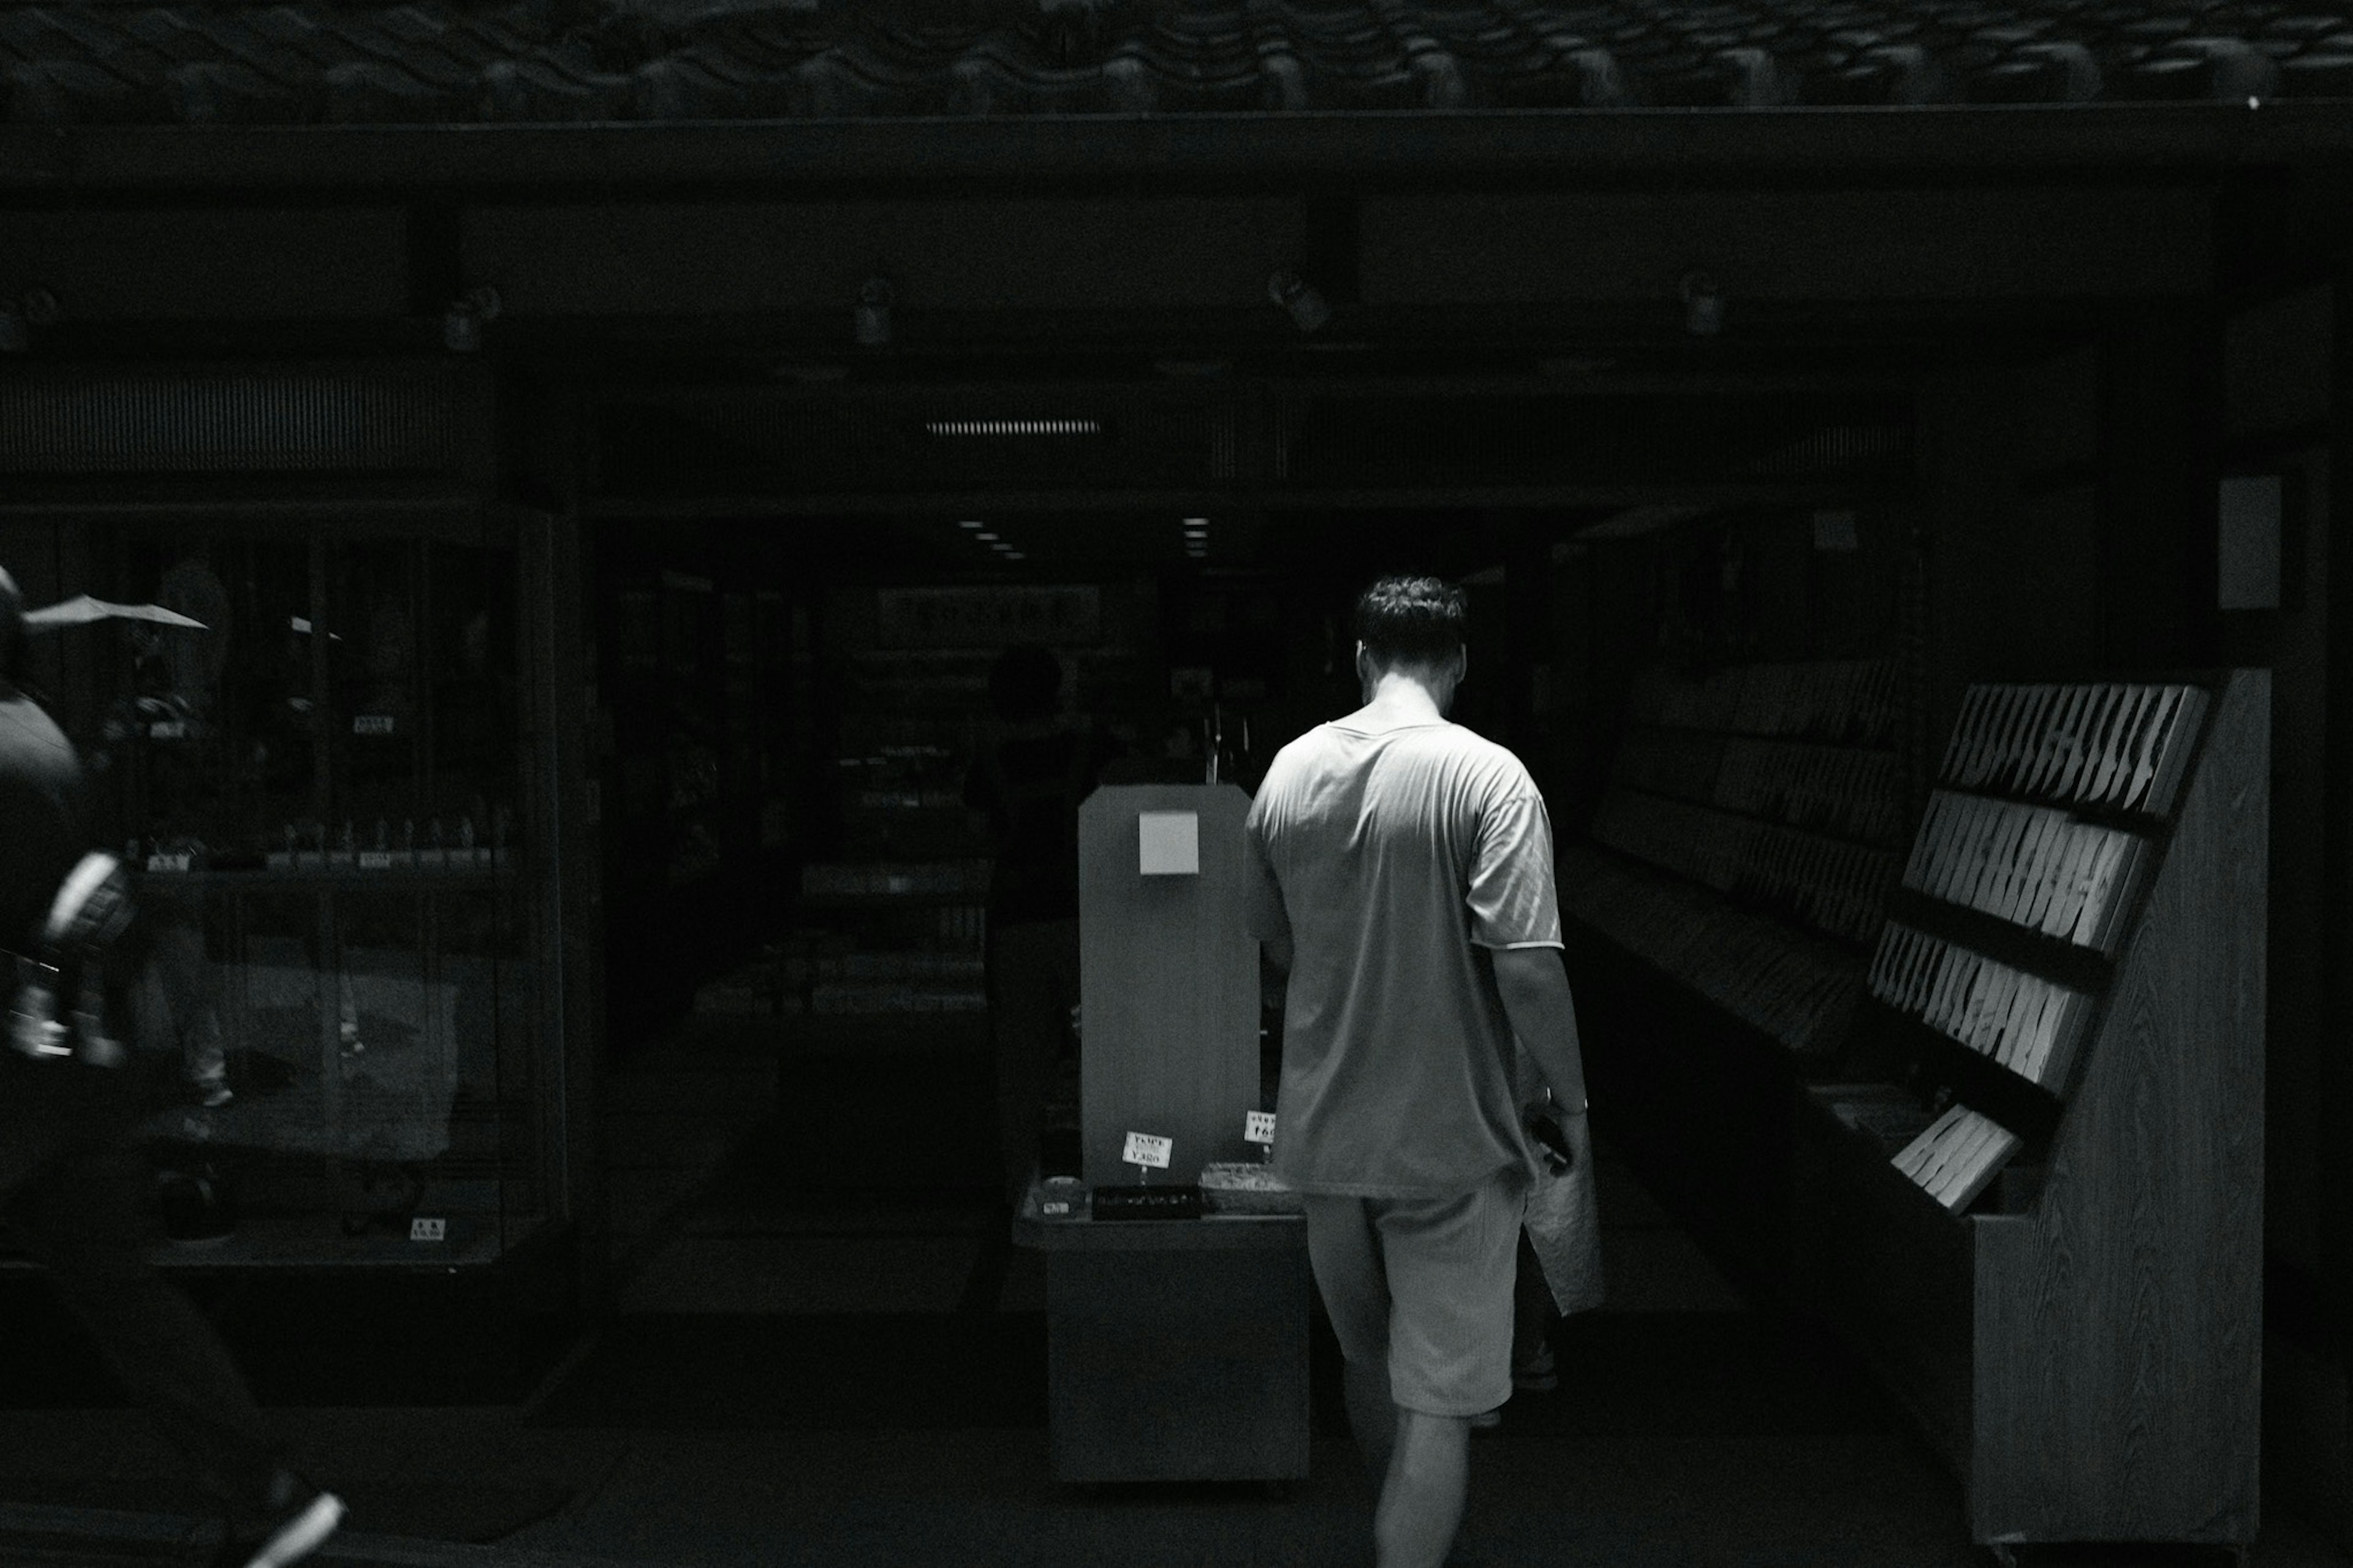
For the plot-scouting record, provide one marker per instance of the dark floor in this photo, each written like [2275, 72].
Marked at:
[810, 1369]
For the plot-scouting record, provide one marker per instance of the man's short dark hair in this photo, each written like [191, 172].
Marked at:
[1410, 620]
[1024, 683]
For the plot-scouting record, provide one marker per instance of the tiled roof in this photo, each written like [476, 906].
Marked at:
[436, 61]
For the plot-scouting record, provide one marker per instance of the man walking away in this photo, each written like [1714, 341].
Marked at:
[1403, 877]
[71, 1183]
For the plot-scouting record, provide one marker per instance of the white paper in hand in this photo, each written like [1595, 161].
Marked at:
[1563, 1217]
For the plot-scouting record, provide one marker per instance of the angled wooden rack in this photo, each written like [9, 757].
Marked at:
[2037, 1213]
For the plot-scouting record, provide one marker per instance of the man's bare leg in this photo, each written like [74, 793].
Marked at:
[1421, 1500]
[1371, 1415]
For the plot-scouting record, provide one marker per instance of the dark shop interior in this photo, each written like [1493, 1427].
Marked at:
[526, 512]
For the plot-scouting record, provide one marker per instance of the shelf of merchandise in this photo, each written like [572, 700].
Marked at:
[2037, 1209]
[1717, 924]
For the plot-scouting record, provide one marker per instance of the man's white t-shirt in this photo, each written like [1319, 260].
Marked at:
[1394, 861]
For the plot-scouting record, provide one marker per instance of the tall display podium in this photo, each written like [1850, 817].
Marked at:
[1177, 1348]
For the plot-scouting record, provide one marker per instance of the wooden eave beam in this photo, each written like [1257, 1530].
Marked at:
[2089, 142]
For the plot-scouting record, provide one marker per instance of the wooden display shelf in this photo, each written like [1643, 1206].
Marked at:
[338, 877]
[2083, 1346]
[1274, 1232]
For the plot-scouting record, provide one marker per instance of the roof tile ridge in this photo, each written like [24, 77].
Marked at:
[1278, 53]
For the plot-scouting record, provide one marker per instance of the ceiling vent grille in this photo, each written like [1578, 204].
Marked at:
[1030, 427]
[206, 423]
[1837, 449]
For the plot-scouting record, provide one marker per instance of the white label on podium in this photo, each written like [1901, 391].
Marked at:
[1169, 843]
[1144, 1149]
[1259, 1127]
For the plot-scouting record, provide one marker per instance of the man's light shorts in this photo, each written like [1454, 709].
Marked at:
[1426, 1283]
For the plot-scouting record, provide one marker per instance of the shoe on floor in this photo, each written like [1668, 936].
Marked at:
[289, 1535]
[1487, 1420]
[1538, 1376]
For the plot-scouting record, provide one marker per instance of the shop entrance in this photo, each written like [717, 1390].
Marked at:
[1700, 611]
[802, 1103]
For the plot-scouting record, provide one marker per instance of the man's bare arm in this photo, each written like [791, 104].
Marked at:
[1536, 999]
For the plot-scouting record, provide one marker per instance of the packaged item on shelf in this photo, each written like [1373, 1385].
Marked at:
[1247, 1186]
[1958, 1156]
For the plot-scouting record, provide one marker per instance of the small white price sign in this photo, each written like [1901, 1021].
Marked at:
[168, 862]
[1144, 1149]
[375, 860]
[422, 1229]
[1258, 1128]
[371, 724]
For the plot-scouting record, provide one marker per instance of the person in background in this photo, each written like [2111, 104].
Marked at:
[1401, 876]
[73, 1186]
[1030, 780]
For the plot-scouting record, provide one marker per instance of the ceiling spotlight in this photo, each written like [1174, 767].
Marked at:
[984, 536]
[1309, 310]
[871, 319]
[1703, 304]
[967, 525]
[462, 323]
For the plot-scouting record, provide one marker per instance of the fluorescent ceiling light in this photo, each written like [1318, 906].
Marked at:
[984, 536]
[1636, 522]
[967, 525]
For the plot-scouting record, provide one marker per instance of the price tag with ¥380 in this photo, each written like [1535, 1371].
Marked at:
[1146, 1149]
[1259, 1127]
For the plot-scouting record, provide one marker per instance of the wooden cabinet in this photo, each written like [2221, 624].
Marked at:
[1176, 1349]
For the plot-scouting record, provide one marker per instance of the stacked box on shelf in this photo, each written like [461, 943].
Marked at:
[916, 946]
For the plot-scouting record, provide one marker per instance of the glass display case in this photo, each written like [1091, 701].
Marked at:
[313, 745]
